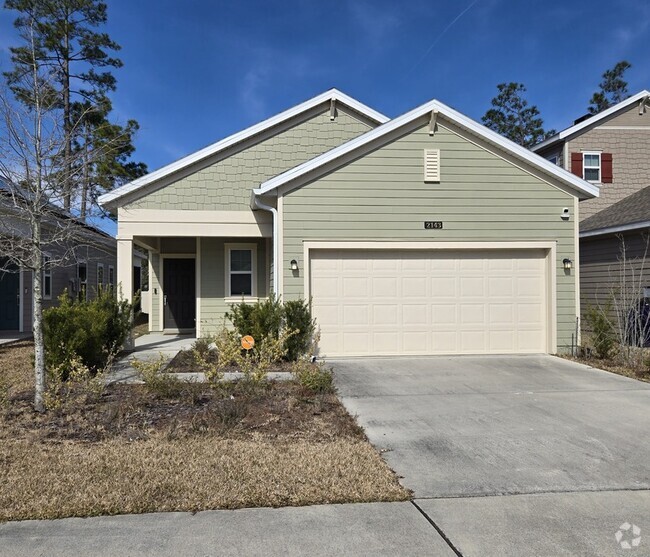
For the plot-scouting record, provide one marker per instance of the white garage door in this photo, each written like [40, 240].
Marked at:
[369, 302]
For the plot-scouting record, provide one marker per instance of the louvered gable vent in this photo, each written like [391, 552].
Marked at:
[432, 165]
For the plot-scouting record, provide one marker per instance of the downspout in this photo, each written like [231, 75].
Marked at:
[276, 247]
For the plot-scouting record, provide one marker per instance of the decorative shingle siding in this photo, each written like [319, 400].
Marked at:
[227, 184]
[630, 149]
[480, 197]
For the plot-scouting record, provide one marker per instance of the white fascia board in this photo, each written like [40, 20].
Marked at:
[578, 184]
[616, 229]
[108, 199]
[590, 121]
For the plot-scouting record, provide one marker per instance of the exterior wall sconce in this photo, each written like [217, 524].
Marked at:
[294, 265]
[567, 264]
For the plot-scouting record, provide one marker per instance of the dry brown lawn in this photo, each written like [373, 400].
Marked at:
[130, 450]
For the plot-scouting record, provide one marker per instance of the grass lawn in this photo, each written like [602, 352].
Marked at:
[128, 449]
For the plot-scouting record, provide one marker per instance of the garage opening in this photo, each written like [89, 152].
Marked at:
[425, 302]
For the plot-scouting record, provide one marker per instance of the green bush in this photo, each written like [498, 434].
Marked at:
[297, 317]
[264, 320]
[260, 320]
[602, 332]
[93, 331]
[313, 377]
[163, 385]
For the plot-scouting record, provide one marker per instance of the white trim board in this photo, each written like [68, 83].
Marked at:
[591, 121]
[109, 200]
[310, 170]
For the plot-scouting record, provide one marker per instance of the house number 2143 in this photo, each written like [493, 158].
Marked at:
[432, 225]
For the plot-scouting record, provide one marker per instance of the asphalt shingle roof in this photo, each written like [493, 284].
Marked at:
[633, 208]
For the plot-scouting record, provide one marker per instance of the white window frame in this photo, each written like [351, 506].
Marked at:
[47, 272]
[100, 266]
[84, 283]
[253, 249]
[599, 167]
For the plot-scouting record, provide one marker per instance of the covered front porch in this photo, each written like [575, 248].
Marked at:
[196, 270]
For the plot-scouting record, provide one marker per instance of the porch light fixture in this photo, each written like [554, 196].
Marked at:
[567, 264]
[294, 265]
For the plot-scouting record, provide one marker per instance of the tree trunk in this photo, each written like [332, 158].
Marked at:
[37, 318]
[67, 127]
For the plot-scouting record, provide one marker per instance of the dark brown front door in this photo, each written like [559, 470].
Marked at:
[179, 293]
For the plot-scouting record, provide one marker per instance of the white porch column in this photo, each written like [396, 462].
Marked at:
[125, 277]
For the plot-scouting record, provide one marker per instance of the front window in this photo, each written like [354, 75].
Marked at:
[111, 276]
[100, 277]
[82, 279]
[241, 271]
[591, 167]
[47, 278]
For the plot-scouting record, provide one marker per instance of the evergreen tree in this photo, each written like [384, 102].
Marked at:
[613, 89]
[66, 41]
[511, 116]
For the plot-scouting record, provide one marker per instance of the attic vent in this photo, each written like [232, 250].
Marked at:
[432, 165]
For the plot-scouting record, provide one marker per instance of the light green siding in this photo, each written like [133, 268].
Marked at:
[213, 279]
[383, 196]
[227, 184]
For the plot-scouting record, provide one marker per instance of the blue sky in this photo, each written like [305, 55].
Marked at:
[197, 71]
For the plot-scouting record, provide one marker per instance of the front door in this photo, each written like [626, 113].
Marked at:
[9, 298]
[179, 295]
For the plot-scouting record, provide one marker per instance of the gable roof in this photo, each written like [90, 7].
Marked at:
[583, 189]
[631, 213]
[591, 121]
[110, 199]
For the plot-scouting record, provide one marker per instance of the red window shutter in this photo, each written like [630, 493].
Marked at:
[606, 174]
[576, 164]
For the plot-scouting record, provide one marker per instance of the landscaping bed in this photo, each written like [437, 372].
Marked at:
[615, 365]
[115, 449]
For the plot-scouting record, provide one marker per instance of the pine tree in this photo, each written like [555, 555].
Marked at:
[511, 116]
[67, 42]
[613, 89]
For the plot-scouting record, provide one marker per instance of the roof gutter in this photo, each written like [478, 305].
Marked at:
[615, 229]
[257, 204]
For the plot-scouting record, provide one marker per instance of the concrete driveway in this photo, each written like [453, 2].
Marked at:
[505, 451]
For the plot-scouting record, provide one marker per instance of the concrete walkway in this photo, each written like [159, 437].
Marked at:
[148, 347]
[7, 337]
[357, 530]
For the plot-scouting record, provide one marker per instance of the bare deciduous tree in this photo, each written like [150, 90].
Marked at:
[34, 163]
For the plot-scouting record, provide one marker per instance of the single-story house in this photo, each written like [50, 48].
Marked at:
[424, 234]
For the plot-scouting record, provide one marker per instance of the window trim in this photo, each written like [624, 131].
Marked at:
[253, 272]
[46, 271]
[599, 167]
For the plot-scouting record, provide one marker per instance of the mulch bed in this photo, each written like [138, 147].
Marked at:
[184, 362]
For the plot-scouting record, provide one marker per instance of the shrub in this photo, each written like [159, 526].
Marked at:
[267, 319]
[163, 385]
[93, 331]
[313, 377]
[297, 317]
[602, 332]
[260, 320]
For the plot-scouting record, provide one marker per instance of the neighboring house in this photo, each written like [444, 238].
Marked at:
[425, 234]
[82, 264]
[616, 235]
[611, 150]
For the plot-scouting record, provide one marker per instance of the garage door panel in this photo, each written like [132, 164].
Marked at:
[427, 302]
